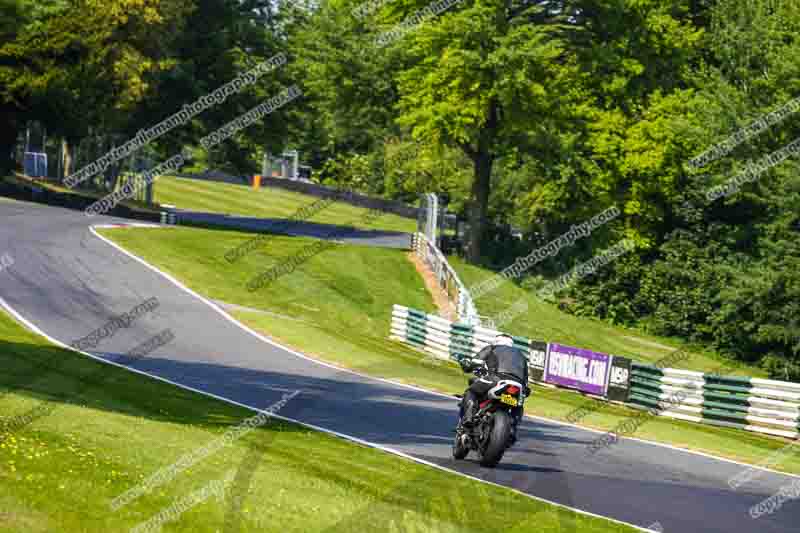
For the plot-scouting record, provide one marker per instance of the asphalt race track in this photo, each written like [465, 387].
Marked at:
[68, 282]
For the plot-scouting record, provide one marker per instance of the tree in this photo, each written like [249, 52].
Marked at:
[14, 15]
[349, 90]
[81, 66]
[486, 78]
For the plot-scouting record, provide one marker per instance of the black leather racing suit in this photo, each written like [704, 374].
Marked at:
[503, 362]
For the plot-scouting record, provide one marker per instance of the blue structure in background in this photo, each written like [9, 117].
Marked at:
[35, 164]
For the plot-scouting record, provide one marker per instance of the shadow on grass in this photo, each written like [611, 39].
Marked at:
[545, 462]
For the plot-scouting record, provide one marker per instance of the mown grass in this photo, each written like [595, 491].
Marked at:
[97, 440]
[267, 202]
[544, 321]
[337, 306]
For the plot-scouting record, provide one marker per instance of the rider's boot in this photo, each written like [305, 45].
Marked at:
[468, 420]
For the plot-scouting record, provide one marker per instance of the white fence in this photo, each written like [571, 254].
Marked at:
[447, 279]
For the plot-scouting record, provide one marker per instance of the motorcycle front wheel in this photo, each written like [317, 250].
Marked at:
[498, 435]
[460, 446]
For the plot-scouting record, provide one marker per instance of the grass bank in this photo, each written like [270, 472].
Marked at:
[337, 307]
[544, 321]
[89, 443]
[266, 202]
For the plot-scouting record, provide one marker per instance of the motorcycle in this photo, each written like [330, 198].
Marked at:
[495, 428]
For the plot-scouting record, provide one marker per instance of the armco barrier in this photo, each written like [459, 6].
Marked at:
[752, 404]
[26, 190]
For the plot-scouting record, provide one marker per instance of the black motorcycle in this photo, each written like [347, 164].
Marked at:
[495, 428]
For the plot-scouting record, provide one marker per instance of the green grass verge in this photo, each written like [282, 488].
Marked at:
[61, 472]
[267, 202]
[337, 308]
[544, 321]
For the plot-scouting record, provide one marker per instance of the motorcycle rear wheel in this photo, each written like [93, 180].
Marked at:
[499, 434]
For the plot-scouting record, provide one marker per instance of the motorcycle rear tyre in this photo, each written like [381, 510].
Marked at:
[499, 435]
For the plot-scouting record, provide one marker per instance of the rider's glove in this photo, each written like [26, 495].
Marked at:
[469, 364]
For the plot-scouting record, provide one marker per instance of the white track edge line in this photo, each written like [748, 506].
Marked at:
[404, 385]
[234, 321]
[334, 433]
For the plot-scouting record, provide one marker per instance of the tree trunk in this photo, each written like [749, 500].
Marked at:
[482, 160]
[8, 140]
[66, 161]
[479, 204]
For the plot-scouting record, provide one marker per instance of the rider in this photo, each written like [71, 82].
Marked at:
[503, 361]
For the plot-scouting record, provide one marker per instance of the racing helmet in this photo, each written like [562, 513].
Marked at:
[504, 339]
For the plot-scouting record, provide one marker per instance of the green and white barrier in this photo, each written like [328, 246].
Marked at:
[168, 217]
[442, 338]
[752, 404]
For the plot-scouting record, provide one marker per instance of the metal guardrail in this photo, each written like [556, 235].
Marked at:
[447, 279]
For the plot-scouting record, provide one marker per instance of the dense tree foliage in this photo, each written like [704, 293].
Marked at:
[531, 113]
[723, 272]
[92, 68]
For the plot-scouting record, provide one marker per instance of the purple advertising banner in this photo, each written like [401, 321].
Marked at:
[577, 368]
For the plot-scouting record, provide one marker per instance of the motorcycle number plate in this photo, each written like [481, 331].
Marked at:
[507, 398]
